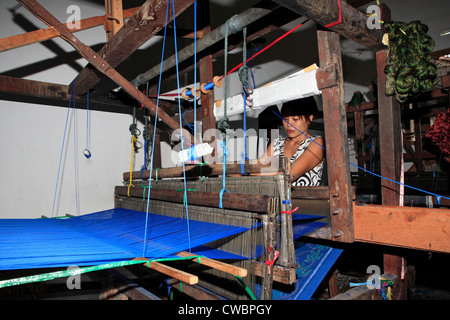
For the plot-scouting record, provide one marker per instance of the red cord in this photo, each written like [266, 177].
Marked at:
[260, 51]
[267, 47]
[340, 18]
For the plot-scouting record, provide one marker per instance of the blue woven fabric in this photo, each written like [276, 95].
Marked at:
[101, 237]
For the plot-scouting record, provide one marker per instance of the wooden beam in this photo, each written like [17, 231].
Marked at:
[218, 265]
[170, 271]
[50, 32]
[389, 115]
[336, 139]
[326, 77]
[408, 227]
[197, 171]
[280, 274]
[39, 92]
[143, 25]
[206, 75]
[353, 24]
[100, 63]
[234, 201]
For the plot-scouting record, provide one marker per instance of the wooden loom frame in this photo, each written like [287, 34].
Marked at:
[348, 221]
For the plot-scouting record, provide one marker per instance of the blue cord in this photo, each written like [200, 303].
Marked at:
[244, 154]
[154, 132]
[75, 144]
[62, 149]
[181, 133]
[195, 71]
[87, 122]
[405, 185]
[224, 168]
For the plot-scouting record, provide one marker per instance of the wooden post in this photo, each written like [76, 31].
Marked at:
[114, 13]
[336, 140]
[391, 153]
[206, 76]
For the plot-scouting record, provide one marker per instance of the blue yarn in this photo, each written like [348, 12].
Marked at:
[179, 112]
[87, 121]
[405, 185]
[62, 148]
[154, 131]
[101, 237]
[195, 70]
[224, 169]
[75, 145]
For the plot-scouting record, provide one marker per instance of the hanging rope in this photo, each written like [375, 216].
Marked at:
[223, 124]
[181, 127]
[87, 152]
[72, 95]
[133, 140]
[195, 72]
[154, 134]
[247, 91]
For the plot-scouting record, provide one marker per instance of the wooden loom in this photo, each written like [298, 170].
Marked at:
[348, 222]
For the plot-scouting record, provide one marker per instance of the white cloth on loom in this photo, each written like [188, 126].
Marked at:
[298, 85]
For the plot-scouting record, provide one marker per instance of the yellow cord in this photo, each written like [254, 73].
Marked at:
[133, 140]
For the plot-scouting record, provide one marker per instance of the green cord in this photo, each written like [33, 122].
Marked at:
[76, 271]
[247, 289]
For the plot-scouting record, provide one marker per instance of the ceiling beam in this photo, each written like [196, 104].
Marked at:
[352, 25]
[39, 92]
[40, 35]
[97, 61]
[143, 25]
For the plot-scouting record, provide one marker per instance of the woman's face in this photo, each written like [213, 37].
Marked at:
[299, 122]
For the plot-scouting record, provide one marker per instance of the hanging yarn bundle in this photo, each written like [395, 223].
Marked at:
[439, 132]
[408, 66]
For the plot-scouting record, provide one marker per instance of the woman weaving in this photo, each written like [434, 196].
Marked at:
[305, 151]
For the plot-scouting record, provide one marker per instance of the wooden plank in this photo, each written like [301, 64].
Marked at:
[170, 271]
[143, 25]
[40, 35]
[196, 171]
[336, 138]
[409, 227]
[234, 201]
[313, 193]
[353, 23]
[39, 92]
[218, 265]
[280, 274]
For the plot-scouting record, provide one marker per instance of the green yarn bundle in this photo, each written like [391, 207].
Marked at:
[408, 66]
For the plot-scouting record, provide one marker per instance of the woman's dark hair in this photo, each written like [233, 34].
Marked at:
[301, 107]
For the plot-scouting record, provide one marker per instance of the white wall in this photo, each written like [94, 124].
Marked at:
[31, 135]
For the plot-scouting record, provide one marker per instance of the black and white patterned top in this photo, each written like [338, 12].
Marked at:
[309, 178]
